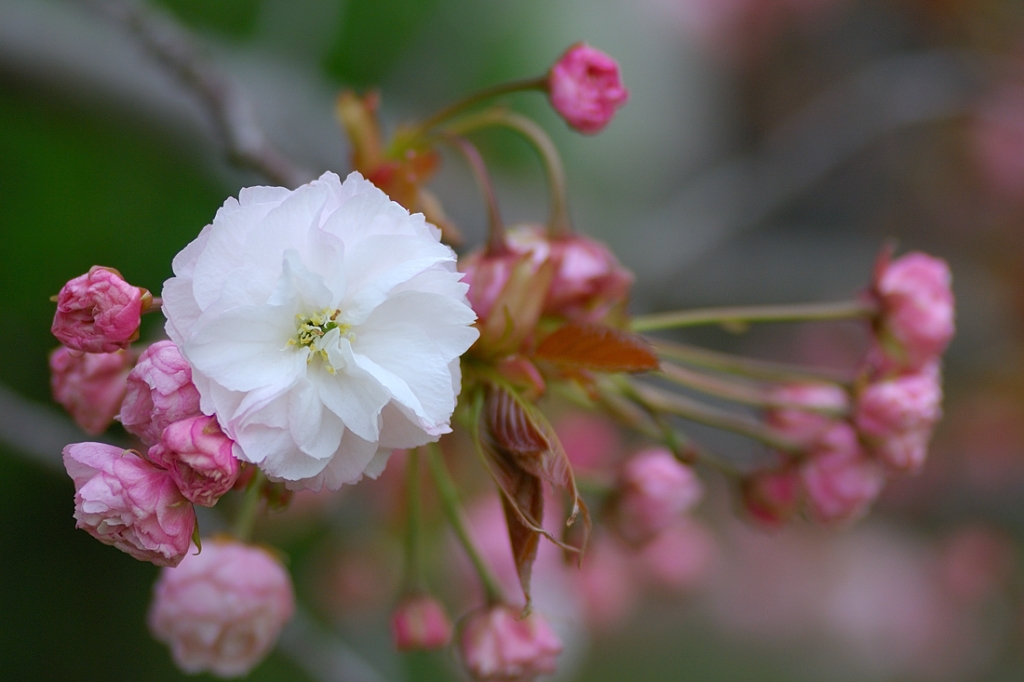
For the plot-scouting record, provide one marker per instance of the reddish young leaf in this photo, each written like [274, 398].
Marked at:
[597, 347]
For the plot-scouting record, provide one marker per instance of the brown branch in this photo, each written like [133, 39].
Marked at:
[170, 45]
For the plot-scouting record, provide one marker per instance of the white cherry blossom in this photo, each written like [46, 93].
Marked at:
[324, 328]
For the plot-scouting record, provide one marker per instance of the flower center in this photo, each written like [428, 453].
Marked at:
[311, 331]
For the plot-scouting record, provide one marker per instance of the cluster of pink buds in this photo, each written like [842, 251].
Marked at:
[896, 404]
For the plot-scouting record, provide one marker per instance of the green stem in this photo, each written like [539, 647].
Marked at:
[799, 312]
[250, 507]
[449, 497]
[658, 400]
[558, 223]
[496, 244]
[413, 560]
[736, 392]
[456, 108]
[736, 364]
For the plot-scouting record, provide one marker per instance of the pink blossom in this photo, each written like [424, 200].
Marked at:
[222, 609]
[160, 391]
[198, 455]
[124, 501]
[590, 441]
[917, 309]
[585, 88]
[589, 281]
[897, 416]
[655, 489]
[840, 480]
[606, 583]
[497, 645]
[99, 312]
[90, 386]
[805, 426]
[681, 558]
[773, 497]
[420, 623]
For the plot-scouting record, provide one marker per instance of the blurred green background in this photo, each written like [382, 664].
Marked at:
[762, 160]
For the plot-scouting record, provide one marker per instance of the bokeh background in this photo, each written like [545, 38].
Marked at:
[769, 149]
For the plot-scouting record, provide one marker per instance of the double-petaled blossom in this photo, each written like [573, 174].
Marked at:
[896, 416]
[125, 501]
[420, 623]
[199, 457]
[654, 490]
[90, 386]
[160, 391]
[324, 328]
[916, 303]
[499, 645]
[840, 479]
[99, 312]
[585, 88]
[805, 425]
[221, 610]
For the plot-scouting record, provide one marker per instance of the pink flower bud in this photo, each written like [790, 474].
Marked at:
[420, 623]
[497, 646]
[90, 386]
[917, 309]
[773, 497]
[124, 501]
[681, 558]
[800, 425]
[585, 88]
[588, 282]
[160, 391]
[198, 455]
[840, 480]
[221, 610]
[655, 489]
[897, 416]
[607, 585]
[99, 312]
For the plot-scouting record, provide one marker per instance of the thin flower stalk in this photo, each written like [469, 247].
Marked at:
[496, 244]
[449, 498]
[743, 315]
[245, 521]
[413, 559]
[765, 370]
[558, 221]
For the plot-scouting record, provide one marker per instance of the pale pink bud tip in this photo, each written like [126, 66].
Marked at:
[773, 497]
[90, 386]
[420, 623]
[497, 646]
[199, 457]
[897, 416]
[160, 392]
[99, 312]
[805, 425]
[917, 309]
[124, 501]
[585, 88]
[655, 489]
[840, 480]
[222, 609]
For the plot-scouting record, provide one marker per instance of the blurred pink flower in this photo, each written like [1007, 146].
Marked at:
[681, 558]
[897, 416]
[99, 312]
[199, 457]
[609, 590]
[591, 441]
[90, 386]
[654, 490]
[498, 645]
[124, 501]
[773, 497]
[160, 391]
[420, 623]
[917, 309]
[840, 480]
[800, 425]
[222, 609]
[585, 88]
